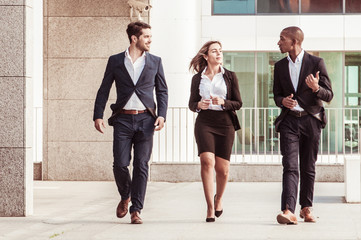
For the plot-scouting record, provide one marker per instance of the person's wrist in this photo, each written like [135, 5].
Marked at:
[282, 104]
[198, 107]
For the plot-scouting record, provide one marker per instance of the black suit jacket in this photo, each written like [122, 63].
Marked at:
[233, 99]
[311, 102]
[151, 77]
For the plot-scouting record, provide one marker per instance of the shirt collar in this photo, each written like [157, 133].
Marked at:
[128, 55]
[299, 57]
[222, 70]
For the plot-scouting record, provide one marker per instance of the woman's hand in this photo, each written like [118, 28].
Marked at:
[217, 101]
[204, 104]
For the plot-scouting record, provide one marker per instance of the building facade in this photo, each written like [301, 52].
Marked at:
[79, 37]
[49, 119]
[249, 31]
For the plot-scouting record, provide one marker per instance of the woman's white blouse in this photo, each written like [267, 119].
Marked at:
[215, 88]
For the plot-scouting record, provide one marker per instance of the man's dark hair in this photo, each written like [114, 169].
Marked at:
[135, 28]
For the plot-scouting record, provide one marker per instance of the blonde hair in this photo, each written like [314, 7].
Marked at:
[198, 63]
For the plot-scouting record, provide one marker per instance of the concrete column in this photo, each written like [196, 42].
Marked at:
[16, 112]
[352, 178]
[177, 25]
[176, 38]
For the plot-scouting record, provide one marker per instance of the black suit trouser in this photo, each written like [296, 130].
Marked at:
[132, 131]
[299, 147]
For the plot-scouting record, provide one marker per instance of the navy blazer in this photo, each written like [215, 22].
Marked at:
[311, 102]
[233, 99]
[152, 77]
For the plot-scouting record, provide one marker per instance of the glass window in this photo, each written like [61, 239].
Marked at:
[353, 6]
[265, 68]
[321, 6]
[285, 6]
[233, 6]
[277, 6]
[259, 111]
[243, 64]
[352, 116]
[331, 140]
[353, 79]
[352, 92]
[268, 112]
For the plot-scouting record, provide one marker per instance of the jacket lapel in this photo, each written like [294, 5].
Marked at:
[227, 78]
[123, 68]
[287, 76]
[146, 64]
[303, 71]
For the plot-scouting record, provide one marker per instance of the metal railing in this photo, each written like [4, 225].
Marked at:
[257, 141]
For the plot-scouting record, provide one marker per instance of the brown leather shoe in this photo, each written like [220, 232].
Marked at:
[306, 214]
[286, 217]
[135, 218]
[122, 208]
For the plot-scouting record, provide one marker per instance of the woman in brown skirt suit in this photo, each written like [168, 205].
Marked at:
[215, 96]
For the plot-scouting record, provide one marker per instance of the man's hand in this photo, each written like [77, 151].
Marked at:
[288, 102]
[98, 123]
[312, 82]
[159, 123]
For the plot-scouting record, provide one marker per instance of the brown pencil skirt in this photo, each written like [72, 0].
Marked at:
[214, 132]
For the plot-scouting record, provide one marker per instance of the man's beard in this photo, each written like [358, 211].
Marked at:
[141, 47]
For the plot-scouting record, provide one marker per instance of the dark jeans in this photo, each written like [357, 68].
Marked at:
[299, 137]
[132, 131]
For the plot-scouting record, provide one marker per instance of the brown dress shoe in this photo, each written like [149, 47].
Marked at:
[306, 214]
[122, 208]
[135, 218]
[286, 217]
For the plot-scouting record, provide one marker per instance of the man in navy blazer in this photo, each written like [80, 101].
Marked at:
[301, 84]
[136, 74]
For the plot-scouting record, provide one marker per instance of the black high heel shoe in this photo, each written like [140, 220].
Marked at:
[210, 219]
[217, 213]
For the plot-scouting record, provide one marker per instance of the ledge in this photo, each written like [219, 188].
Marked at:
[168, 172]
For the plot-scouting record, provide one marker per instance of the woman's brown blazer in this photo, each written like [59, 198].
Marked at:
[233, 99]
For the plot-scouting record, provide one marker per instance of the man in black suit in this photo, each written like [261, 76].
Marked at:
[136, 74]
[301, 83]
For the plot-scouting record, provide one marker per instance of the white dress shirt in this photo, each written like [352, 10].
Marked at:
[215, 88]
[295, 69]
[134, 70]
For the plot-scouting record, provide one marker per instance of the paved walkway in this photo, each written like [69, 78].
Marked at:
[86, 210]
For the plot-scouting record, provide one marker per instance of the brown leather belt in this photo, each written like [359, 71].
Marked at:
[133, 112]
[298, 113]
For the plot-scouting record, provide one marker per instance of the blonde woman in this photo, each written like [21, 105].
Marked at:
[215, 96]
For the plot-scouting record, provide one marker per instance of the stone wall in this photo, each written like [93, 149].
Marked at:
[79, 36]
[16, 110]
